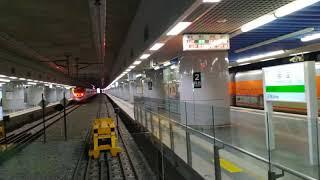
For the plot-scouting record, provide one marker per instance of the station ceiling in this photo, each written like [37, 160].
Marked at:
[61, 29]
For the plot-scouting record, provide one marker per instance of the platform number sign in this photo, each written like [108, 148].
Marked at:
[197, 80]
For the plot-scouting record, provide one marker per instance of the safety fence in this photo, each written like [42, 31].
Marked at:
[214, 142]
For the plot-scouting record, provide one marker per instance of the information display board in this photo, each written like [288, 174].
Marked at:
[285, 83]
[196, 42]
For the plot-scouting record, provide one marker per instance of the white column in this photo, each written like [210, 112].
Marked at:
[50, 94]
[213, 66]
[13, 96]
[34, 95]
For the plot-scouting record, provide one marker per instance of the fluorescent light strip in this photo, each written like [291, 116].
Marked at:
[131, 67]
[4, 80]
[293, 7]
[258, 22]
[1, 75]
[145, 56]
[311, 37]
[211, 1]
[33, 83]
[156, 67]
[12, 77]
[178, 28]
[137, 62]
[300, 53]
[156, 46]
[266, 55]
[168, 63]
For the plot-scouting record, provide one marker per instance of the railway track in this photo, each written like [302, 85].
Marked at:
[24, 135]
[106, 167]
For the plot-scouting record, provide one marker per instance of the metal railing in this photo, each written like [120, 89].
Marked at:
[158, 109]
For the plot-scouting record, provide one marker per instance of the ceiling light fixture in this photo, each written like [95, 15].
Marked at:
[12, 77]
[156, 67]
[156, 46]
[168, 63]
[300, 53]
[178, 28]
[137, 62]
[311, 37]
[145, 56]
[33, 83]
[4, 80]
[211, 1]
[131, 67]
[260, 56]
[258, 22]
[293, 7]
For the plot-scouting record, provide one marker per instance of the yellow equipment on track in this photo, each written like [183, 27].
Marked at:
[104, 138]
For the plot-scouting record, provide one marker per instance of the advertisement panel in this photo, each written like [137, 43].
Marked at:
[285, 83]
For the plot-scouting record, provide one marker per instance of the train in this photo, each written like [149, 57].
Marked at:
[80, 94]
[246, 90]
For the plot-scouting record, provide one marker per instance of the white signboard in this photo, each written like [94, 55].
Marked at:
[196, 42]
[285, 83]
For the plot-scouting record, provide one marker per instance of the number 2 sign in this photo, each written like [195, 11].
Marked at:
[197, 80]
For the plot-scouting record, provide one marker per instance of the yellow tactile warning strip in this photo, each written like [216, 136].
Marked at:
[229, 166]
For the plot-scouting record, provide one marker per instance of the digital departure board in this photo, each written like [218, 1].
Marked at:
[196, 42]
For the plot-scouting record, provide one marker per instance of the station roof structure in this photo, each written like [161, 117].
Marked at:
[95, 41]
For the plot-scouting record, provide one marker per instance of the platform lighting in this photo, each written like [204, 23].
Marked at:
[131, 67]
[168, 63]
[211, 1]
[12, 77]
[258, 22]
[31, 83]
[137, 62]
[293, 7]
[4, 80]
[1, 75]
[173, 67]
[22, 79]
[260, 56]
[145, 56]
[156, 46]
[178, 28]
[300, 53]
[311, 37]
[29, 80]
[156, 67]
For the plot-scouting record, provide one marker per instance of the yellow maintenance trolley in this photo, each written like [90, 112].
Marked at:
[104, 138]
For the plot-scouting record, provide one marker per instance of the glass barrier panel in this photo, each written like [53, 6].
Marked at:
[155, 123]
[179, 141]
[244, 128]
[165, 131]
[148, 118]
[202, 156]
[237, 165]
[293, 142]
